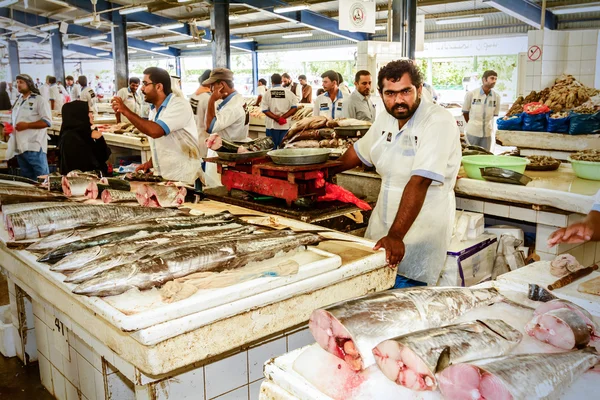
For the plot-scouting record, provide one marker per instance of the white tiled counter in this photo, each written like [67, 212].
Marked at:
[84, 355]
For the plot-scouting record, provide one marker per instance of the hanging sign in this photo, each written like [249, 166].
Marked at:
[357, 15]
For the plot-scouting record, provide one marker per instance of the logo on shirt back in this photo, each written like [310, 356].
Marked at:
[277, 94]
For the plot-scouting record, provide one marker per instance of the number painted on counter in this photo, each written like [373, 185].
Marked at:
[59, 326]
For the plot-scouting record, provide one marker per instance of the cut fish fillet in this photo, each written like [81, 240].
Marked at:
[562, 328]
[565, 304]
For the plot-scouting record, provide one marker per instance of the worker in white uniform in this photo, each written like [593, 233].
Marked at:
[330, 103]
[73, 88]
[228, 120]
[87, 93]
[261, 90]
[55, 96]
[171, 127]
[278, 105]
[31, 116]
[580, 232]
[415, 148]
[479, 109]
[132, 98]
[199, 103]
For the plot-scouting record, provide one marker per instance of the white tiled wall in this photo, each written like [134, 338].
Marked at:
[570, 52]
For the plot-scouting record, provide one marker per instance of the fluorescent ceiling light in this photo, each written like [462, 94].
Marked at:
[134, 32]
[59, 3]
[458, 20]
[159, 48]
[132, 51]
[380, 27]
[84, 20]
[281, 10]
[297, 35]
[592, 7]
[103, 54]
[242, 40]
[131, 10]
[197, 45]
[233, 16]
[98, 37]
[176, 25]
[47, 28]
[183, 1]
[7, 3]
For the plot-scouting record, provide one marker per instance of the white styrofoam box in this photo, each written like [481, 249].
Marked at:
[58, 382]
[119, 387]
[187, 386]
[100, 385]
[226, 375]
[469, 263]
[31, 345]
[255, 390]
[547, 218]
[576, 38]
[500, 230]
[72, 391]
[46, 373]
[8, 333]
[86, 378]
[499, 210]
[589, 254]
[522, 214]
[299, 339]
[257, 356]
[238, 394]
[472, 205]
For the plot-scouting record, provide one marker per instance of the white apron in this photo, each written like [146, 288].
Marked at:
[428, 239]
[211, 176]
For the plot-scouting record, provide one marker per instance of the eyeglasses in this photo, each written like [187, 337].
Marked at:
[144, 83]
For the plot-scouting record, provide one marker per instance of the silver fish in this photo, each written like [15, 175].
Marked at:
[350, 329]
[18, 207]
[75, 186]
[215, 257]
[39, 223]
[117, 196]
[412, 360]
[516, 377]
[110, 261]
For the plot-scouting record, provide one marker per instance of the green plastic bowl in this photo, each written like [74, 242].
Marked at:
[472, 164]
[586, 169]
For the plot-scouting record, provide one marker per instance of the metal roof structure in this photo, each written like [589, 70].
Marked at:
[167, 28]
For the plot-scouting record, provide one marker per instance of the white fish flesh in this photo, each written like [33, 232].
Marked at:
[516, 377]
[412, 360]
[117, 196]
[160, 195]
[350, 329]
[75, 186]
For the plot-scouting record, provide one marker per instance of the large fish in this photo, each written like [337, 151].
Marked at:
[132, 233]
[114, 259]
[160, 195]
[155, 271]
[117, 196]
[7, 179]
[35, 224]
[350, 329]
[76, 186]
[10, 194]
[516, 377]
[95, 189]
[412, 360]
[8, 209]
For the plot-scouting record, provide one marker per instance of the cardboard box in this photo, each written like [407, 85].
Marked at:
[470, 262]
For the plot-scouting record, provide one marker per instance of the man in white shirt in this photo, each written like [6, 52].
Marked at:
[415, 148]
[330, 103]
[73, 89]
[343, 85]
[479, 109]
[580, 232]
[171, 127]
[44, 88]
[359, 105]
[132, 99]
[199, 103]
[278, 105]
[261, 90]
[87, 93]
[294, 87]
[31, 116]
[55, 96]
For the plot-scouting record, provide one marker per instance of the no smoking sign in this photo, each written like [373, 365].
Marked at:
[534, 53]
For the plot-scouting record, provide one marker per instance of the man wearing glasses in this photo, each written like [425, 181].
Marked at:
[171, 127]
[415, 147]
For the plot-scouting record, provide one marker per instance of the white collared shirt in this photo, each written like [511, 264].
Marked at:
[360, 107]
[87, 94]
[278, 100]
[57, 96]
[333, 109]
[32, 109]
[482, 109]
[230, 119]
[133, 101]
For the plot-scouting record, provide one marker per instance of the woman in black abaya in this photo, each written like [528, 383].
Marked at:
[81, 147]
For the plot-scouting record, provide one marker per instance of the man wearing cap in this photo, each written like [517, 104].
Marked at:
[31, 116]
[87, 93]
[171, 126]
[278, 105]
[132, 99]
[306, 90]
[199, 103]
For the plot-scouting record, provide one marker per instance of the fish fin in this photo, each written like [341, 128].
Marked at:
[539, 293]
[492, 329]
[17, 245]
[443, 360]
[515, 304]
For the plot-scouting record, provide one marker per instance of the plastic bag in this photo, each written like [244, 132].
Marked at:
[514, 123]
[558, 125]
[535, 108]
[584, 123]
[335, 192]
[535, 122]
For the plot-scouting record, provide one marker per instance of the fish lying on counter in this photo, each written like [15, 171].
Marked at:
[11, 194]
[117, 196]
[160, 195]
[96, 188]
[351, 329]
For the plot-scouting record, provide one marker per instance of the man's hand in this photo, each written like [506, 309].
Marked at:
[96, 134]
[118, 105]
[214, 142]
[144, 167]
[216, 93]
[21, 126]
[394, 249]
[282, 121]
[577, 233]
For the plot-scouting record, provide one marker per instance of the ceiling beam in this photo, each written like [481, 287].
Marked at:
[525, 11]
[88, 50]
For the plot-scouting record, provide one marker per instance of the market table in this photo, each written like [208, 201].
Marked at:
[557, 145]
[85, 344]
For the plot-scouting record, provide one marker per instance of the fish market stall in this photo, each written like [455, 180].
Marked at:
[497, 345]
[180, 340]
[556, 145]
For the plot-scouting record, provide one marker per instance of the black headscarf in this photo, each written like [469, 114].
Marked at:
[76, 117]
[4, 97]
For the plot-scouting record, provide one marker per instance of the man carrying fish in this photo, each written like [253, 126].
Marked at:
[171, 126]
[415, 147]
[580, 232]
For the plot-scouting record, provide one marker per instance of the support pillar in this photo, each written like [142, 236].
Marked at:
[219, 20]
[13, 59]
[255, 71]
[119, 46]
[409, 43]
[58, 60]
[397, 20]
[178, 66]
